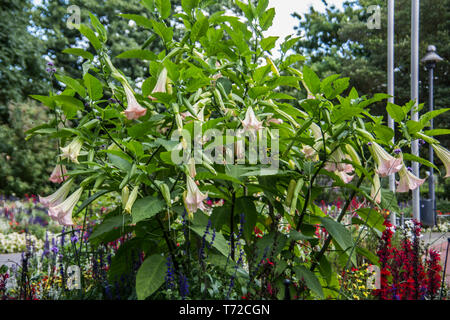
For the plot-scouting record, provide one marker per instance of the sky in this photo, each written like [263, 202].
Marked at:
[283, 23]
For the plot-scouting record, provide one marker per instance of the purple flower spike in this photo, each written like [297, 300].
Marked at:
[55, 249]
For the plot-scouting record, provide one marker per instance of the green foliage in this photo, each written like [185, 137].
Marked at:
[25, 165]
[211, 82]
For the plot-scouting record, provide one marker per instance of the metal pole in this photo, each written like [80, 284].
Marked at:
[390, 85]
[445, 269]
[415, 98]
[431, 190]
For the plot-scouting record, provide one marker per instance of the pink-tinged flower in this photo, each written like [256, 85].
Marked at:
[386, 164]
[134, 110]
[63, 211]
[336, 162]
[276, 121]
[193, 198]
[310, 153]
[408, 181]
[72, 150]
[58, 197]
[58, 173]
[250, 121]
[375, 192]
[344, 176]
[444, 155]
[160, 83]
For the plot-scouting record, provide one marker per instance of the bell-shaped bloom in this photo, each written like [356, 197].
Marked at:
[336, 162]
[344, 176]
[444, 155]
[408, 181]
[58, 173]
[58, 197]
[160, 83]
[250, 121]
[276, 121]
[386, 164]
[310, 153]
[193, 198]
[191, 167]
[72, 150]
[134, 110]
[63, 211]
[375, 191]
[315, 129]
[131, 199]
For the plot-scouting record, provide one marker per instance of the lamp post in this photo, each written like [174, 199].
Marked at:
[430, 60]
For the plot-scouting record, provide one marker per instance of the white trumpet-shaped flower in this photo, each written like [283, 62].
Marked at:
[375, 192]
[444, 155]
[193, 198]
[160, 83]
[58, 196]
[408, 181]
[63, 211]
[134, 110]
[58, 173]
[250, 121]
[386, 164]
[72, 150]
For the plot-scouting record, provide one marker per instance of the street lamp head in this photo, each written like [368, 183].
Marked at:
[431, 57]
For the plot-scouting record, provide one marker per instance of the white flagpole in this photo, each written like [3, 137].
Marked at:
[415, 98]
[390, 83]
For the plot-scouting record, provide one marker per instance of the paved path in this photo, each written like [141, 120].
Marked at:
[439, 242]
[10, 258]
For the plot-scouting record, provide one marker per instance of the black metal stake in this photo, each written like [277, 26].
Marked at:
[445, 269]
[287, 292]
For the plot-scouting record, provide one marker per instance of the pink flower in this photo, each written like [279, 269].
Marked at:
[250, 121]
[276, 121]
[134, 110]
[57, 174]
[58, 196]
[160, 83]
[386, 164]
[408, 181]
[63, 211]
[444, 155]
[344, 176]
[193, 198]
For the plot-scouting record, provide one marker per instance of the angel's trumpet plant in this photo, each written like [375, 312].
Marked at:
[408, 181]
[58, 173]
[58, 196]
[444, 155]
[386, 164]
[72, 150]
[63, 211]
[193, 198]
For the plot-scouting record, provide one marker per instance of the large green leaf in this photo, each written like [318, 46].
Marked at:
[109, 224]
[94, 86]
[72, 83]
[311, 80]
[310, 279]
[396, 112]
[164, 8]
[339, 232]
[266, 19]
[151, 276]
[80, 53]
[90, 35]
[69, 105]
[199, 28]
[246, 206]
[146, 208]
[140, 20]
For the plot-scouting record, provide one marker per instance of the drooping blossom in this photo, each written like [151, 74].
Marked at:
[275, 120]
[63, 211]
[250, 121]
[58, 196]
[375, 192]
[310, 153]
[191, 167]
[193, 198]
[444, 155]
[72, 150]
[58, 173]
[386, 164]
[344, 176]
[134, 110]
[336, 162]
[408, 181]
[160, 83]
[131, 199]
